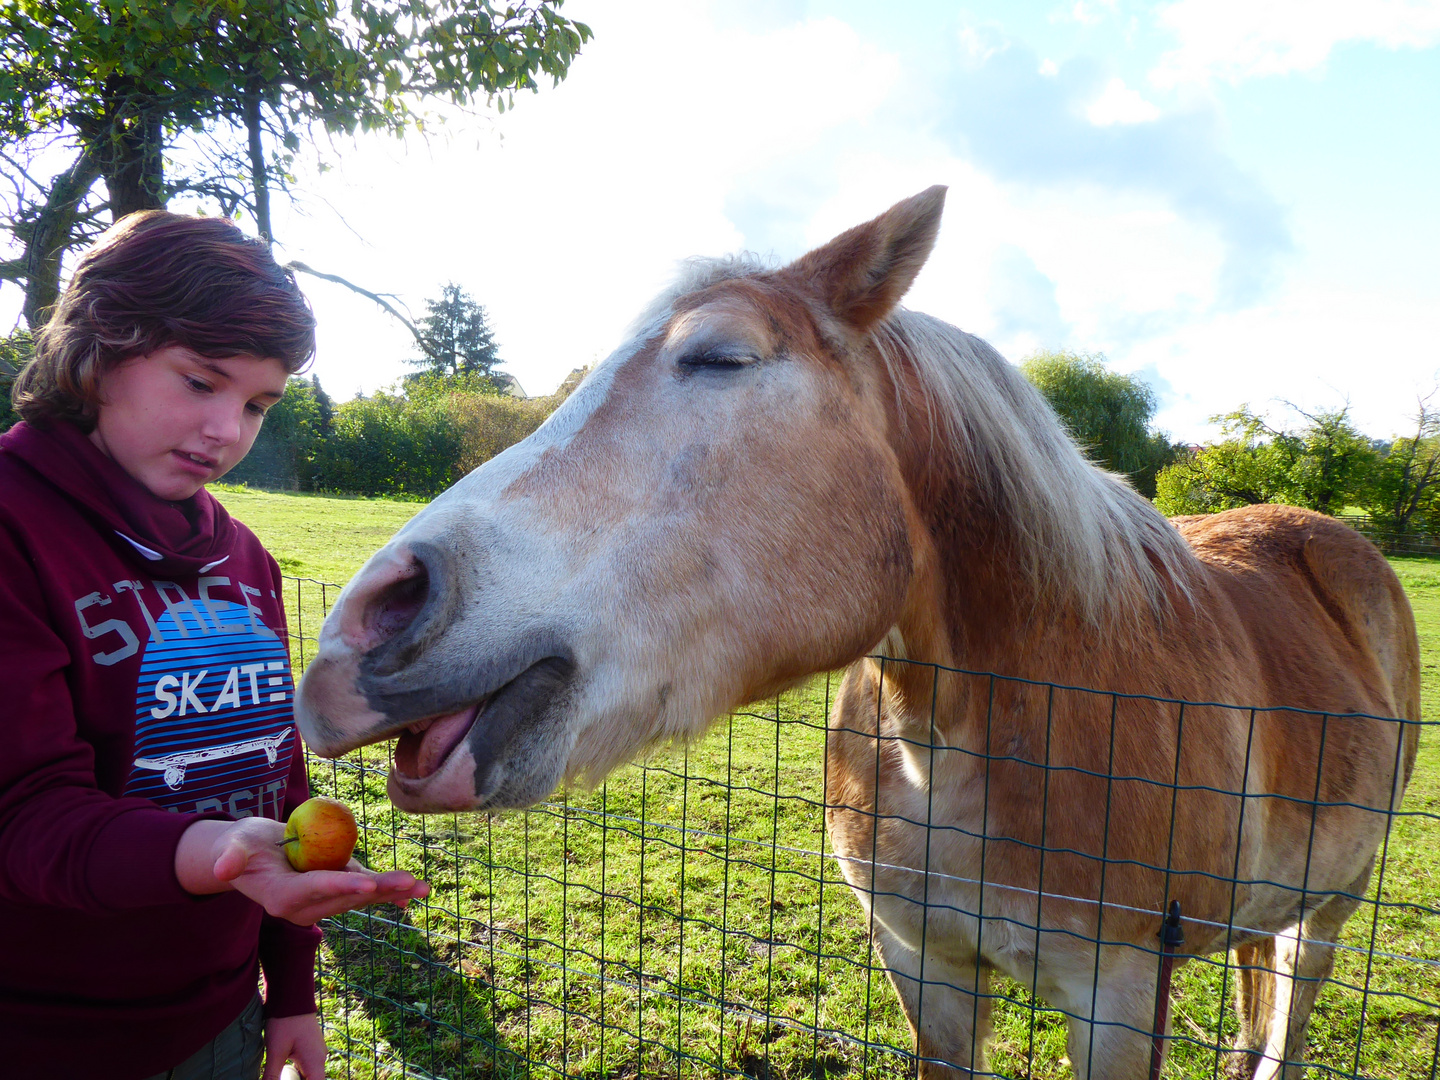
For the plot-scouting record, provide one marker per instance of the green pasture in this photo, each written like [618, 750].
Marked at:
[641, 929]
[325, 537]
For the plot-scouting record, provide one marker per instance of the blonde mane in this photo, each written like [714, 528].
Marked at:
[1078, 529]
[696, 273]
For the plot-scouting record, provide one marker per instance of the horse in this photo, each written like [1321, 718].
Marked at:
[784, 472]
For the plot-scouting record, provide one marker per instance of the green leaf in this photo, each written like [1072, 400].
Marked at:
[321, 66]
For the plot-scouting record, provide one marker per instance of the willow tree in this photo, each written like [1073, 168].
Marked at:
[214, 97]
[1106, 412]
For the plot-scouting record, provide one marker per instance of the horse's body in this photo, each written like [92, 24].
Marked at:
[783, 473]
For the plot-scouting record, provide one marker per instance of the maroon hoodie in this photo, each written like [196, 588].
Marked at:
[144, 653]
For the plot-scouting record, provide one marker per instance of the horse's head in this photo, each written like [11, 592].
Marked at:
[714, 514]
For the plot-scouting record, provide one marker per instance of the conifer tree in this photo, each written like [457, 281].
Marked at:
[457, 341]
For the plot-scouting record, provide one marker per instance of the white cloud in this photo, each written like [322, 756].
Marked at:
[979, 42]
[777, 140]
[1118, 104]
[1033, 130]
[1086, 15]
[1319, 346]
[1235, 40]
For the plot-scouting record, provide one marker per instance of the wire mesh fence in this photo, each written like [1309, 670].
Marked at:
[1418, 539]
[693, 918]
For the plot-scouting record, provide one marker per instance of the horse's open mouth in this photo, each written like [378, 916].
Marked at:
[426, 744]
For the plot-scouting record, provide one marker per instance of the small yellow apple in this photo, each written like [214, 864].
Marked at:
[320, 835]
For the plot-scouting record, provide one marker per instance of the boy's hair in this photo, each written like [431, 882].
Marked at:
[156, 279]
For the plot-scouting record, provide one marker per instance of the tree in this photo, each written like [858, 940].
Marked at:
[456, 339]
[1334, 462]
[284, 451]
[1223, 476]
[391, 444]
[1405, 483]
[324, 405]
[15, 352]
[1107, 413]
[157, 97]
[1323, 466]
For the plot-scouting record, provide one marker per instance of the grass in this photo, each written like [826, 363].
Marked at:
[684, 920]
[325, 537]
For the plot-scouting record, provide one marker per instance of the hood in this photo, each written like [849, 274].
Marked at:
[182, 538]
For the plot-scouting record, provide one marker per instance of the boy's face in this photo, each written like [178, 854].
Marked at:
[175, 420]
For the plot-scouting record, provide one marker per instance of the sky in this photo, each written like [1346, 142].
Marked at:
[1233, 200]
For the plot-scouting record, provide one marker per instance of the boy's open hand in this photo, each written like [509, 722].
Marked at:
[245, 856]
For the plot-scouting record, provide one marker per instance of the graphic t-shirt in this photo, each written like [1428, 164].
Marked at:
[213, 724]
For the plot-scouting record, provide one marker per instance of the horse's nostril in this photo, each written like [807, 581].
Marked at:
[393, 607]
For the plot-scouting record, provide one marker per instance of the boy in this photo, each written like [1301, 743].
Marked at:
[148, 754]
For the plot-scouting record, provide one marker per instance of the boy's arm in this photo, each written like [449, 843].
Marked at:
[245, 855]
[65, 843]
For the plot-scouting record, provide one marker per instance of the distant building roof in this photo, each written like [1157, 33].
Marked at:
[509, 384]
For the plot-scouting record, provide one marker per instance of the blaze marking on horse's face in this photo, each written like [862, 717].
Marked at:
[643, 562]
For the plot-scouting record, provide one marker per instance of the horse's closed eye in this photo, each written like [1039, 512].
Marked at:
[716, 361]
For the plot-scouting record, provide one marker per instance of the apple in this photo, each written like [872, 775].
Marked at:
[320, 835]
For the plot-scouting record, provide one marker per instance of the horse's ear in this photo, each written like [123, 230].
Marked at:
[865, 271]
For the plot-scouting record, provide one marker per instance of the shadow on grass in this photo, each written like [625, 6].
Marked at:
[396, 1004]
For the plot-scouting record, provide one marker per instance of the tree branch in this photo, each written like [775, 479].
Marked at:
[429, 346]
[21, 171]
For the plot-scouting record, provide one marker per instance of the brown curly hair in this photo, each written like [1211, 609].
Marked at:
[156, 279]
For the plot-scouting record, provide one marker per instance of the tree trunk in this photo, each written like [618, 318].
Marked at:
[135, 166]
[259, 174]
[50, 237]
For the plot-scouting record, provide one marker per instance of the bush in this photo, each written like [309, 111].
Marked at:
[1324, 466]
[489, 424]
[390, 444]
[15, 352]
[284, 452]
[414, 441]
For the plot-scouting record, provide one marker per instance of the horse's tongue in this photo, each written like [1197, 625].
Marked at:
[441, 737]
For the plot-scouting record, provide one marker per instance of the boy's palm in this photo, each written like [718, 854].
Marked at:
[249, 857]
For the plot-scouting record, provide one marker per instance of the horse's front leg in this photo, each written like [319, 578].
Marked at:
[1110, 1017]
[946, 1001]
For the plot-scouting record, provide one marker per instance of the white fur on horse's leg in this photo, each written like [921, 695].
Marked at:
[1254, 1005]
[1311, 957]
[1124, 1011]
[1272, 1054]
[949, 1014]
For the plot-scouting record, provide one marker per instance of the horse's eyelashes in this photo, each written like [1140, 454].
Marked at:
[717, 360]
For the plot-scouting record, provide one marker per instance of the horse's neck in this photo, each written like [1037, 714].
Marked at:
[969, 610]
[975, 601]
[972, 606]
[1016, 584]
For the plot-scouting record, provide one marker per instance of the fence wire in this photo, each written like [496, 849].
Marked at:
[1420, 538]
[692, 917]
